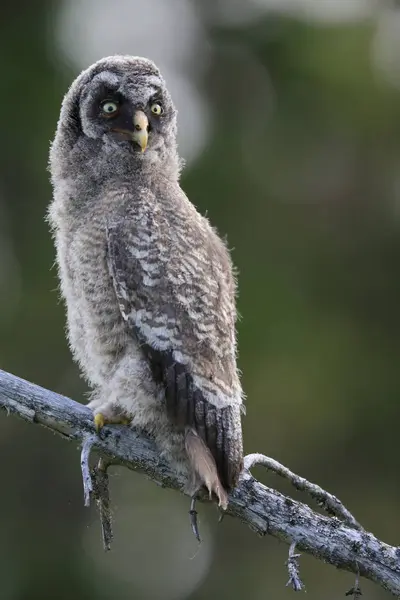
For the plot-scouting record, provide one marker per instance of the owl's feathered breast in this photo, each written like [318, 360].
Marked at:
[173, 280]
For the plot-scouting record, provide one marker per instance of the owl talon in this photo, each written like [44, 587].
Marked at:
[193, 519]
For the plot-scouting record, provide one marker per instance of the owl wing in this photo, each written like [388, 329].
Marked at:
[178, 302]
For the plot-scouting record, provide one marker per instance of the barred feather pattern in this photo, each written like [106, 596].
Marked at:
[174, 283]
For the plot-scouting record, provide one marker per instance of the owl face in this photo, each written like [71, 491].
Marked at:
[123, 103]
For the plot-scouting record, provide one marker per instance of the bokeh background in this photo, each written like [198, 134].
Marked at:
[289, 114]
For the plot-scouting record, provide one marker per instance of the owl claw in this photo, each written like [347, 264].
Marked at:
[193, 519]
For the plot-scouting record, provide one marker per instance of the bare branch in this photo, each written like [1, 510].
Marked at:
[263, 509]
[293, 567]
[102, 494]
[95, 483]
[325, 500]
[355, 591]
[87, 446]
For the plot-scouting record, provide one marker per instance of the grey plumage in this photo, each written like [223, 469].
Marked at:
[148, 284]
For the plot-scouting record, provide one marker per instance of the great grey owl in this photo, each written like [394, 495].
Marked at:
[148, 284]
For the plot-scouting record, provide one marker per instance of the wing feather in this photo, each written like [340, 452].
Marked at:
[165, 329]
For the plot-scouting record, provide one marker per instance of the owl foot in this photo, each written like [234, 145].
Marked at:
[193, 519]
[107, 413]
[100, 420]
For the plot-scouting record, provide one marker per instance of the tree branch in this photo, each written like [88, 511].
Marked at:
[342, 544]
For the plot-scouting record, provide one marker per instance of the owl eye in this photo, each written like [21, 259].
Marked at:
[109, 108]
[156, 108]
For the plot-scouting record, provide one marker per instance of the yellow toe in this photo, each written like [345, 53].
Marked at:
[99, 421]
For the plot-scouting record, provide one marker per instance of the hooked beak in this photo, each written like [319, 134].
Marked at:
[140, 134]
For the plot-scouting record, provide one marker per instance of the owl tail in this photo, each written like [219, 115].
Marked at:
[203, 463]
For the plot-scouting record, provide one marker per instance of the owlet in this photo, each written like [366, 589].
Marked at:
[147, 282]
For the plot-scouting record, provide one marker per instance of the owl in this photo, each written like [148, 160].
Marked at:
[148, 284]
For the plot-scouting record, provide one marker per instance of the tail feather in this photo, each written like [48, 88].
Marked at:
[203, 463]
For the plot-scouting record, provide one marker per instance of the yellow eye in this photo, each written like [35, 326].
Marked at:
[109, 108]
[156, 109]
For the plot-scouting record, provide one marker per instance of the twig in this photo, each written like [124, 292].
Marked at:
[263, 509]
[102, 494]
[355, 591]
[325, 500]
[95, 483]
[293, 567]
[86, 475]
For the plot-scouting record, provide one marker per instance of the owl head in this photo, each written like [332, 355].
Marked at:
[118, 112]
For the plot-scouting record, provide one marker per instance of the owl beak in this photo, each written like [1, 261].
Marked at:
[140, 125]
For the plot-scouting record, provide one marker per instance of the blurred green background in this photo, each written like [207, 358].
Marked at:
[290, 123]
